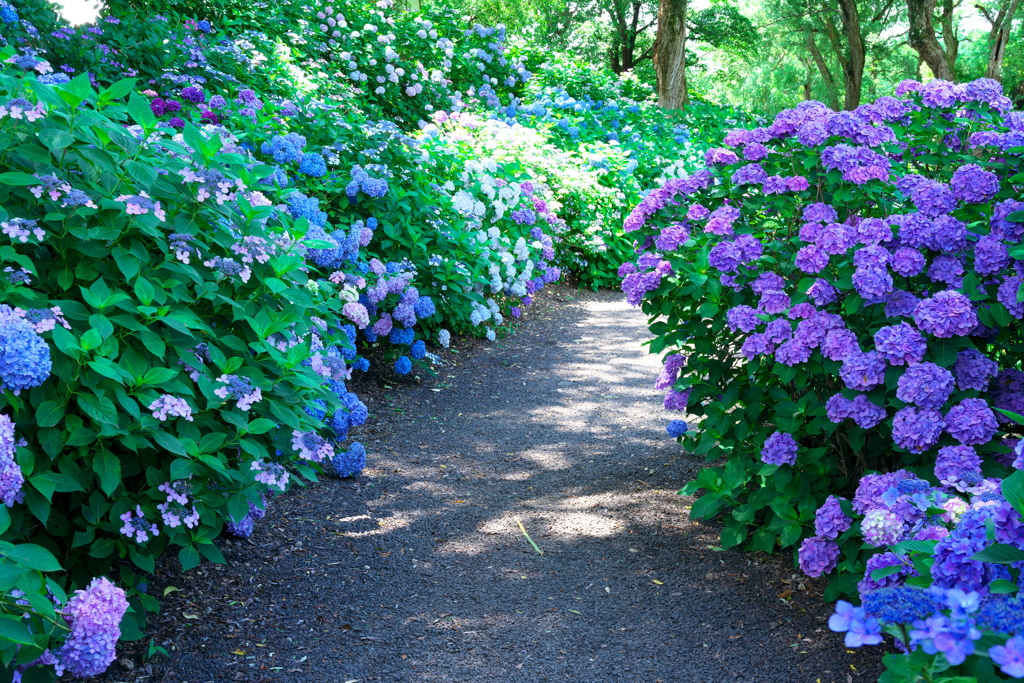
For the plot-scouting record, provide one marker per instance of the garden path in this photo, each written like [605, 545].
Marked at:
[418, 569]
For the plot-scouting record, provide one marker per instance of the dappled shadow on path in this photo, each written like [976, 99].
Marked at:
[420, 569]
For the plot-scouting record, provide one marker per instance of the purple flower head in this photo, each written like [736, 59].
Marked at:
[973, 370]
[933, 198]
[750, 247]
[938, 94]
[672, 237]
[872, 283]
[860, 629]
[900, 304]
[1009, 657]
[972, 422]
[925, 384]
[697, 212]
[1006, 294]
[946, 314]
[869, 587]
[811, 259]
[863, 371]
[840, 344]
[990, 255]
[948, 270]
[822, 293]
[865, 413]
[751, 174]
[721, 219]
[725, 256]
[742, 318]
[756, 345]
[818, 556]
[838, 408]
[720, 156]
[819, 213]
[94, 615]
[873, 487]
[793, 352]
[670, 372]
[917, 429]
[837, 238]
[882, 527]
[873, 231]
[779, 449]
[768, 282]
[974, 185]
[773, 302]
[801, 311]
[193, 94]
[830, 520]
[1007, 392]
[755, 151]
[677, 400]
[958, 467]
[901, 344]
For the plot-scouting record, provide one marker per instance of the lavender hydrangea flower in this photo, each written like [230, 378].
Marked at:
[882, 527]
[900, 304]
[94, 615]
[830, 520]
[865, 413]
[948, 270]
[946, 314]
[837, 238]
[973, 370]
[11, 476]
[872, 283]
[990, 255]
[907, 261]
[774, 302]
[1009, 657]
[973, 184]
[1007, 296]
[840, 344]
[873, 487]
[971, 422]
[811, 259]
[822, 293]
[818, 556]
[742, 318]
[900, 344]
[863, 371]
[958, 467]
[24, 355]
[779, 449]
[925, 384]
[917, 429]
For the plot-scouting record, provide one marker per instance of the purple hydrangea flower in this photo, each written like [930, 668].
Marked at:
[948, 270]
[1009, 657]
[946, 314]
[872, 283]
[873, 231]
[974, 185]
[766, 282]
[773, 301]
[958, 467]
[971, 422]
[811, 259]
[901, 344]
[94, 615]
[917, 429]
[862, 371]
[818, 556]
[1007, 392]
[837, 238]
[973, 370]
[900, 304]
[882, 527]
[840, 344]
[907, 261]
[873, 487]
[925, 384]
[725, 256]
[822, 293]
[751, 174]
[742, 318]
[1006, 294]
[780, 449]
[866, 414]
[830, 520]
[819, 213]
[860, 629]
[990, 255]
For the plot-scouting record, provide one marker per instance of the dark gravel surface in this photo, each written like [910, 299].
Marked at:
[418, 569]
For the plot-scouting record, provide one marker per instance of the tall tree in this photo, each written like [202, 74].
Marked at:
[630, 21]
[999, 35]
[670, 54]
[921, 14]
[822, 65]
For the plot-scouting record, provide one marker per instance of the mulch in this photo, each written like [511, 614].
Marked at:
[423, 568]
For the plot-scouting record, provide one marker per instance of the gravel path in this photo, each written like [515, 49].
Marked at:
[419, 571]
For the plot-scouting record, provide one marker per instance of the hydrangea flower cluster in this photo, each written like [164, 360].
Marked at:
[94, 615]
[240, 389]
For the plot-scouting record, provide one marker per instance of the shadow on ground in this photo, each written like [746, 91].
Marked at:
[419, 570]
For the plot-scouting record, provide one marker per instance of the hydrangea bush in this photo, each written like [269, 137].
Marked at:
[837, 293]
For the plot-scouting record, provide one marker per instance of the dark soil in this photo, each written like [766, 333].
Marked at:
[418, 569]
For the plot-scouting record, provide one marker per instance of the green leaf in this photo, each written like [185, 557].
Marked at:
[108, 468]
[32, 556]
[138, 109]
[117, 90]
[1013, 490]
[169, 442]
[49, 414]
[1002, 586]
[999, 553]
[189, 557]
[12, 630]
[260, 426]
[211, 552]
[16, 178]
[55, 139]
[881, 573]
[706, 506]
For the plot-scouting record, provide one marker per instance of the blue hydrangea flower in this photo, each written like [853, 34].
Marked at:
[313, 164]
[351, 462]
[403, 366]
[24, 357]
[677, 428]
[418, 349]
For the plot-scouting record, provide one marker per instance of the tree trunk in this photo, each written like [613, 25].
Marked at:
[923, 39]
[949, 37]
[826, 73]
[853, 66]
[999, 36]
[670, 54]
